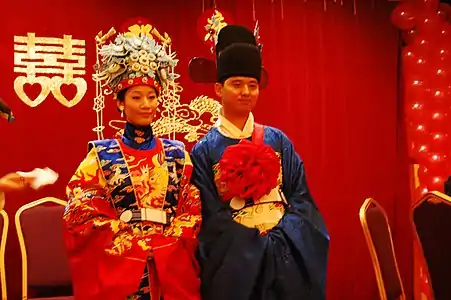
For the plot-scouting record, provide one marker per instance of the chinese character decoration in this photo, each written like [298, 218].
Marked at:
[38, 57]
[142, 52]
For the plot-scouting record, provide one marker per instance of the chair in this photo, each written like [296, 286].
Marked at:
[4, 223]
[380, 244]
[431, 217]
[45, 267]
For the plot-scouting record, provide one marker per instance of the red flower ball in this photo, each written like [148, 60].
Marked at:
[248, 170]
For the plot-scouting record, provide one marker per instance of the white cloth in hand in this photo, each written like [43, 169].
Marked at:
[41, 177]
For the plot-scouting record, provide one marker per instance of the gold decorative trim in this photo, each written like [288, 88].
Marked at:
[21, 238]
[2, 253]
[369, 203]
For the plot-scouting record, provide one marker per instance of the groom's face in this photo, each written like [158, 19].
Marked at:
[239, 94]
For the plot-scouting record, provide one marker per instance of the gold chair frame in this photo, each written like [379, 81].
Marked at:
[433, 197]
[2, 253]
[370, 202]
[23, 249]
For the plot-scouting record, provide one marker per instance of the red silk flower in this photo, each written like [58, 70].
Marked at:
[248, 170]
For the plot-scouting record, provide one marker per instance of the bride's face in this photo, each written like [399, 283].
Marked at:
[139, 105]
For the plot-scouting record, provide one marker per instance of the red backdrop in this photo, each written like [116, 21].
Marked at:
[333, 90]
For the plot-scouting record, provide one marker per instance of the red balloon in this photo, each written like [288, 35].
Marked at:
[420, 191]
[409, 35]
[428, 170]
[415, 112]
[418, 133]
[436, 159]
[435, 183]
[441, 38]
[422, 46]
[432, 176]
[427, 4]
[428, 24]
[420, 151]
[415, 89]
[437, 120]
[438, 98]
[403, 16]
[444, 11]
[439, 78]
[440, 142]
[416, 76]
[408, 56]
[445, 33]
[443, 56]
[423, 173]
[413, 62]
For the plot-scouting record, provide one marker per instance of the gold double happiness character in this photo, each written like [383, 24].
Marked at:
[38, 57]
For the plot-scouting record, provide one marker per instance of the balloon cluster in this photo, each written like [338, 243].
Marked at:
[426, 62]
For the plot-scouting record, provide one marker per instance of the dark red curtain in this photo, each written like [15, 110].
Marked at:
[333, 90]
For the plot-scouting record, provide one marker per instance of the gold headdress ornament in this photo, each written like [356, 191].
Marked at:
[219, 34]
[214, 24]
[216, 20]
[143, 56]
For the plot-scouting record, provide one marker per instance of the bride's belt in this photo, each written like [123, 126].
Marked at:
[145, 214]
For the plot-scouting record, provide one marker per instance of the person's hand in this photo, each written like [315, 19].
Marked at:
[22, 180]
[40, 177]
[14, 182]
